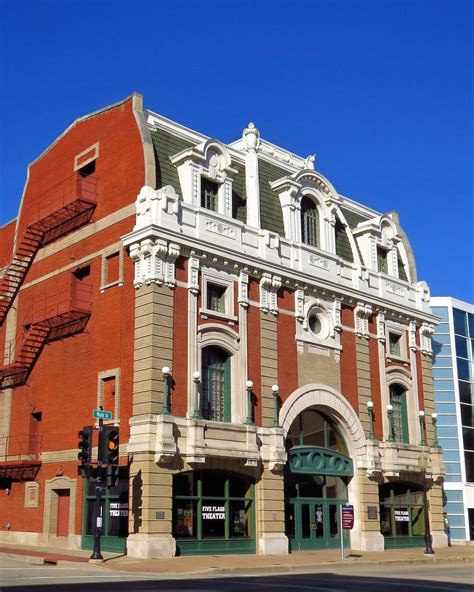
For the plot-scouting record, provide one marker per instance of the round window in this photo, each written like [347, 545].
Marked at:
[314, 323]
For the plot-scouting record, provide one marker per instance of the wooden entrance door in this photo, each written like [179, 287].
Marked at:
[62, 527]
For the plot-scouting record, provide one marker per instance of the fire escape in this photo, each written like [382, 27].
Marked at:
[54, 314]
[60, 210]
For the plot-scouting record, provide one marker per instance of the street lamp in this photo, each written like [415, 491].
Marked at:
[370, 411]
[421, 416]
[390, 422]
[275, 391]
[167, 388]
[197, 399]
[249, 387]
[434, 420]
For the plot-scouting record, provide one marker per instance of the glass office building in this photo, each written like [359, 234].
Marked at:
[453, 373]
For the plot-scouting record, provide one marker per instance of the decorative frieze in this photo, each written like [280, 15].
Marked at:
[269, 286]
[362, 313]
[318, 261]
[395, 289]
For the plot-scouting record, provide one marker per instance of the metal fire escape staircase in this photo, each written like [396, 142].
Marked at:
[60, 210]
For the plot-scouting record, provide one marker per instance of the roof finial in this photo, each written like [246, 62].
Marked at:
[309, 162]
[251, 137]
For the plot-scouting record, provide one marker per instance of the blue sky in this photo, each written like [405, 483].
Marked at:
[380, 90]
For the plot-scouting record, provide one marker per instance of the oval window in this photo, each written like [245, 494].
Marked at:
[314, 323]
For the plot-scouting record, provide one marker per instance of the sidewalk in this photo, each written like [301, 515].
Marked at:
[237, 564]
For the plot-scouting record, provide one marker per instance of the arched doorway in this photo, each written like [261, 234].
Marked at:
[316, 479]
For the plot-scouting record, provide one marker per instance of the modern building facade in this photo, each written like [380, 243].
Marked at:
[262, 341]
[453, 372]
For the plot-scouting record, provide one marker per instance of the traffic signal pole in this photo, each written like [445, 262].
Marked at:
[96, 554]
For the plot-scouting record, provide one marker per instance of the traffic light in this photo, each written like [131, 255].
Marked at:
[109, 445]
[85, 449]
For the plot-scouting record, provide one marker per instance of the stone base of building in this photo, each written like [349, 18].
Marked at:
[39, 539]
[273, 543]
[151, 546]
[368, 541]
[439, 539]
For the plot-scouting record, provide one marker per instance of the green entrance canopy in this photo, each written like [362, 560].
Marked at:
[314, 460]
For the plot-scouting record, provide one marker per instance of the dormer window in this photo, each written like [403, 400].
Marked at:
[309, 222]
[209, 195]
[382, 260]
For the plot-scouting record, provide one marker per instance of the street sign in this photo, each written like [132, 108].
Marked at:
[99, 414]
[347, 512]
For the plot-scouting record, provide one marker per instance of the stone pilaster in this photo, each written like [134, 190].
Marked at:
[271, 514]
[153, 346]
[363, 381]
[150, 516]
[269, 365]
[366, 535]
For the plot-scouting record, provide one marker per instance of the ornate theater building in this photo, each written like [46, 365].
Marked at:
[262, 342]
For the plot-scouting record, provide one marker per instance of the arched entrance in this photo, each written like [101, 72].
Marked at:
[316, 480]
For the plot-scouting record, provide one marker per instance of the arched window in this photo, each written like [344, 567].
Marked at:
[309, 222]
[399, 423]
[215, 404]
[313, 428]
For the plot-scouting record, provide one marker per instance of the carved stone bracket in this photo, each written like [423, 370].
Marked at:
[381, 327]
[165, 441]
[362, 313]
[243, 289]
[426, 333]
[154, 262]
[412, 336]
[269, 286]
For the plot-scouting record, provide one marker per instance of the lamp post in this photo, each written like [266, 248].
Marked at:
[167, 387]
[434, 420]
[249, 387]
[197, 399]
[275, 391]
[390, 423]
[421, 416]
[370, 411]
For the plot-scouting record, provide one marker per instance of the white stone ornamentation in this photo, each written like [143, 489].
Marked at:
[362, 313]
[243, 290]
[269, 286]
[426, 333]
[381, 327]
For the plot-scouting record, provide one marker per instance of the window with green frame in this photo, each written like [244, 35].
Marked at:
[399, 422]
[402, 514]
[215, 403]
[114, 513]
[309, 222]
[216, 297]
[213, 510]
[209, 194]
[313, 428]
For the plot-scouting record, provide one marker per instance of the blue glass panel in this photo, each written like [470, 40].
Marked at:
[441, 350]
[466, 392]
[461, 347]
[449, 443]
[456, 520]
[443, 385]
[441, 328]
[453, 468]
[454, 496]
[460, 322]
[471, 323]
[458, 534]
[451, 456]
[441, 362]
[447, 432]
[446, 420]
[444, 396]
[440, 311]
[467, 415]
[453, 478]
[442, 372]
[445, 407]
[441, 339]
[463, 369]
[454, 508]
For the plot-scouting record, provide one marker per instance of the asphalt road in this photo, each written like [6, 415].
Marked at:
[16, 575]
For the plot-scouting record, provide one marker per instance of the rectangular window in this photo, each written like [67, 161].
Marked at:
[112, 262]
[394, 344]
[216, 297]
[399, 418]
[460, 322]
[382, 260]
[209, 195]
[112, 268]
[108, 392]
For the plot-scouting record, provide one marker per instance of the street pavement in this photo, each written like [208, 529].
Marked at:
[16, 575]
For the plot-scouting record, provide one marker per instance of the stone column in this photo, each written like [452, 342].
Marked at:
[435, 500]
[269, 365]
[270, 496]
[363, 381]
[366, 535]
